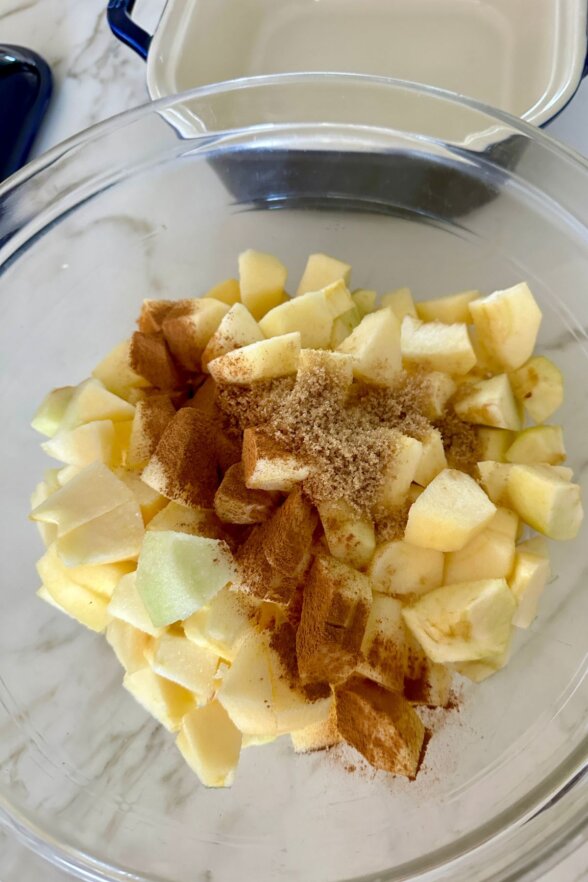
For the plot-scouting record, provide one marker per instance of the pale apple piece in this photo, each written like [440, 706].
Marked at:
[121, 443]
[375, 347]
[538, 385]
[211, 744]
[335, 365]
[307, 314]
[425, 682]
[527, 582]
[401, 302]
[453, 309]
[507, 323]
[195, 521]
[432, 460]
[505, 522]
[227, 292]
[350, 536]
[383, 648]
[129, 645]
[183, 662]
[400, 471]
[149, 422]
[47, 531]
[268, 466]
[51, 411]
[545, 501]
[68, 472]
[235, 503]
[102, 578]
[364, 300]
[441, 387]
[493, 443]
[188, 327]
[92, 442]
[478, 671]
[149, 500]
[343, 326]
[177, 574]
[490, 403]
[322, 270]
[489, 555]
[44, 595]
[449, 513]
[262, 280]
[111, 537]
[116, 373]
[164, 700]
[436, 346]
[246, 692]
[464, 622]
[222, 625]
[538, 444]
[494, 480]
[317, 736]
[266, 360]
[83, 605]
[91, 401]
[237, 328]
[337, 298]
[400, 568]
[127, 605]
[92, 492]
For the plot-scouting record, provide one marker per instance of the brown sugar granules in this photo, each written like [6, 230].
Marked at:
[461, 442]
[245, 407]
[391, 525]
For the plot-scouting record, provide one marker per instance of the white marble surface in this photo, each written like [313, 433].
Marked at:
[96, 77]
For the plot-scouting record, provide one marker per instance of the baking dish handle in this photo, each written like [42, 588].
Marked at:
[124, 28]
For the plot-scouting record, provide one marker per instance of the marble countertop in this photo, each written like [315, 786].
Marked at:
[95, 78]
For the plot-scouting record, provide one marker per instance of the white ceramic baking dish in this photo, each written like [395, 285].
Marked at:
[522, 56]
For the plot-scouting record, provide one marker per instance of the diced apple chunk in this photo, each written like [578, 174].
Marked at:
[127, 605]
[350, 536]
[236, 503]
[489, 555]
[188, 327]
[400, 302]
[317, 736]
[538, 384]
[51, 411]
[343, 326]
[322, 270]
[116, 373]
[449, 513]
[436, 346]
[364, 300]
[505, 522]
[237, 328]
[180, 660]
[545, 501]
[538, 444]
[92, 442]
[222, 625]
[195, 521]
[400, 471]
[426, 682]
[440, 387]
[527, 582]
[149, 422]
[432, 460]
[227, 292]
[113, 536]
[493, 443]
[268, 466]
[262, 280]
[507, 323]
[455, 308]
[211, 744]
[265, 360]
[494, 480]
[129, 645]
[102, 578]
[375, 348]
[383, 648]
[246, 692]
[490, 403]
[92, 401]
[309, 315]
[178, 573]
[164, 700]
[464, 622]
[400, 568]
[79, 602]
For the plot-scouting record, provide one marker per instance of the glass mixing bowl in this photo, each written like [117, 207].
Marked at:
[413, 187]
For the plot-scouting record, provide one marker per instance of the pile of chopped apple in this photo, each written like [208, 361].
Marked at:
[189, 571]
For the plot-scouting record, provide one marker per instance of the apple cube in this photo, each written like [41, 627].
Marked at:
[507, 323]
[149, 422]
[188, 327]
[468, 621]
[83, 605]
[91, 401]
[441, 387]
[227, 292]
[343, 326]
[177, 574]
[151, 358]
[127, 605]
[287, 536]
[538, 444]
[489, 555]
[400, 568]
[400, 302]
[400, 471]
[426, 682]
[319, 735]
[236, 503]
[164, 700]
[211, 744]
[436, 346]
[493, 443]
[265, 360]
[262, 280]
[92, 442]
[51, 411]
[129, 645]
[48, 532]
[449, 513]
[545, 501]
[364, 300]
[350, 536]
[237, 328]
[538, 384]
[150, 502]
[506, 523]
[375, 347]
[494, 480]
[383, 648]
[101, 578]
[195, 521]
[268, 466]
[527, 583]
[432, 459]
[453, 309]
[116, 373]
[113, 536]
[246, 691]
[308, 314]
[490, 403]
[180, 660]
[322, 270]
[222, 625]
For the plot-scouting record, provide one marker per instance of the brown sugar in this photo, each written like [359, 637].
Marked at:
[235, 503]
[381, 725]
[288, 534]
[150, 357]
[391, 524]
[184, 465]
[461, 442]
[249, 406]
